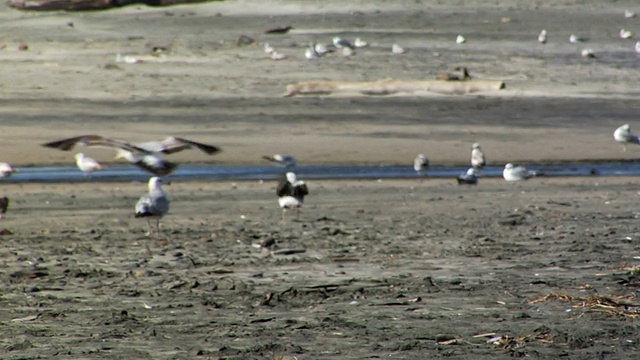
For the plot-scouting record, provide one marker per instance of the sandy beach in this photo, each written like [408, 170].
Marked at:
[406, 269]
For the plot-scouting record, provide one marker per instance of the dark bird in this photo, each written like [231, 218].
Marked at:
[4, 205]
[278, 30]
[462, 76]
[291, 192]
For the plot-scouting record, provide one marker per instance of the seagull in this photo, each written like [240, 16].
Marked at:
[574, 39]
[359, 43]
[478, 159]
[624, 136]
[625, 34]
[468, 178]
[637, 47]
[542, 38]
[269, 49]
[86, 164]
[4, 205]
[460, 39]
[517, 173]
[148, 162]
[291, 192]
[346, 52]
[145, 155]
[278, 56]
[311, 53]
[397, 49]
[322, 49]
[341, 43]
[154, 204]
[6, 170]
[629, 14]
[420, 163]
[588, 53]
[282, 160]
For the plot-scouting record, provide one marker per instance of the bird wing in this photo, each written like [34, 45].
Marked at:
[172, 145]
[284, 187]
[301, 189]
[152, 204]
[92, 141]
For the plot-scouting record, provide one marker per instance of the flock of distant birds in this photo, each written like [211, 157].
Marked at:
[347, 48]
[291, 191]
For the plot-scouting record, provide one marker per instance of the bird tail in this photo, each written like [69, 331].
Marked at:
[268, 158]
[143, 211]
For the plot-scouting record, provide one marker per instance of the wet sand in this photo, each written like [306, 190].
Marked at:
[396, 269]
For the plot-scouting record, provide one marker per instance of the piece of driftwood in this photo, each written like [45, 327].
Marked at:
[392, 86]
[84, 5]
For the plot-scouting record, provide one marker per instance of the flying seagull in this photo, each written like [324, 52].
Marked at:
[420, 163]
[282, 160]
[478, 159]
[291, 192]
[145, 155]
[517, 173]
[624, 136]
[468, 178]
[154, 204]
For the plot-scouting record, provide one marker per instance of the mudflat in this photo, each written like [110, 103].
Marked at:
[418, 268]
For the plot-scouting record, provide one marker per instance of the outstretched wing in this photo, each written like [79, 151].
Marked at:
[92, 141]
[172, 145]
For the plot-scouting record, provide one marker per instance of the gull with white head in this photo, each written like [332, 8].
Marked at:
[478, 159]
[86, 164]
[624, 136]
[291, 192]
[153, 205]
[468, 178]
[397, 49]
[6, 170]
[420, 163]
[542, 37]
[342, 43]
[517, 173]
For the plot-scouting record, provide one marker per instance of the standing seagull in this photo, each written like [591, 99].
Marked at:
[282, 160]
[154, 204]
[478, 159]
[517, 173]
[624, 136]
[291, 192]
[468, 178]
[542, 38]
[6, 170]
[86, 164]
[420, 163]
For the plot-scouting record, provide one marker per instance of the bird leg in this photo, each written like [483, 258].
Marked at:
[283, 212]
[148, 228]
[624, 148]
[157, 226]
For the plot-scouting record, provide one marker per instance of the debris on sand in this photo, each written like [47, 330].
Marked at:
[616, 306]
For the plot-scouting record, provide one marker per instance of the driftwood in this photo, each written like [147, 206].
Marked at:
[83, 5]
[392, 86]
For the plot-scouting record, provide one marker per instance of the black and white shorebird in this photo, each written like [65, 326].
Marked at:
[517, 173]
[284, 160]
[420, 163]
[153, 205]
[624, 136]
[146, 155]
[291, 192]
[478, 159]
[468, 178]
